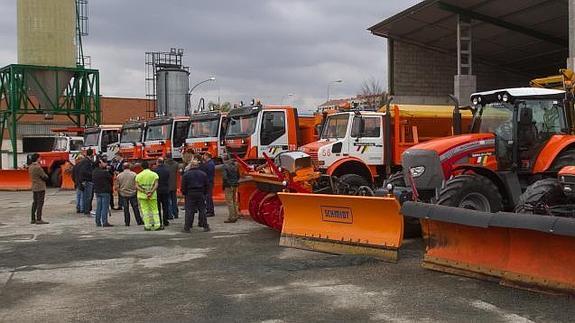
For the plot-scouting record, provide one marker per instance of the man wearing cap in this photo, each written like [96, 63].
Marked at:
[38, 178]
[147, 184]
[194, 187]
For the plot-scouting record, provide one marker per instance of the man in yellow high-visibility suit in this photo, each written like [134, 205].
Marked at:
[147, 184]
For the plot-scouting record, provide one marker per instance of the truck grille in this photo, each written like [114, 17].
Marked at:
[240, 151]
[314, 157]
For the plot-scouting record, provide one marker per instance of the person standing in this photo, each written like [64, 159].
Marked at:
[117, 168]
[38, 178]
[194, 188]
[174, 169]
[86, 167]
[147, 184]
[102, 180]
[209, 167]
[231, 179]
[163, 191]
[76, 177]
[125, 184]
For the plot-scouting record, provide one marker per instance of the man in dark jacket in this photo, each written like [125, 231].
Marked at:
[194, 188]
[174, 168]
[38, 178]
[102, 180]
[209, 167]
[163, 191]
[231, 179]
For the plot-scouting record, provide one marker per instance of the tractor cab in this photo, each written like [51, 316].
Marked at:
[522, 120]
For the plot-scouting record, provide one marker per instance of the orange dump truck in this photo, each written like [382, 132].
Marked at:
[164, 137]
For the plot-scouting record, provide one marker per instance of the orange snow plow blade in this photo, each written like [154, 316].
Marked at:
[67, 182]
[339, 224]
[15, 180]
[521, 250]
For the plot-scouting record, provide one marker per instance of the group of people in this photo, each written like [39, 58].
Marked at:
[152, 194]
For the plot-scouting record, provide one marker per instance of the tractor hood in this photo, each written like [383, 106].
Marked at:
[443, 145]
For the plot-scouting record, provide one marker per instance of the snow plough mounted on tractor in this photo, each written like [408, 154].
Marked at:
[499, 200]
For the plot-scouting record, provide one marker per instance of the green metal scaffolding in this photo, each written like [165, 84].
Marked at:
[79, 99]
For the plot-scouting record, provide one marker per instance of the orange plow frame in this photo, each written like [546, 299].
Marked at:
[371, 226]
[67, 182]
[15, 180]
[526, 251]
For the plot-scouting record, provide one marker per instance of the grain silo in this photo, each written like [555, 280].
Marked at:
[172, 89]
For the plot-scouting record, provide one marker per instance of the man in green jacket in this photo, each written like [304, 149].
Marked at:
[38, 178]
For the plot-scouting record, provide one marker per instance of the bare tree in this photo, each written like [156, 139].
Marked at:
[372, 93]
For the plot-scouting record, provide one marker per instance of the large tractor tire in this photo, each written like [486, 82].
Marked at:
[56, 177]
[354, 182]
[473, 192]
[566, 158]
[396, 179]
[539, 196]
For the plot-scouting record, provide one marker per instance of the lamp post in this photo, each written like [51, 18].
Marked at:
[285, 97]
[211, 79]
[329, 85]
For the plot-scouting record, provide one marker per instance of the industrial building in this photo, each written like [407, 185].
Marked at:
[436, 48]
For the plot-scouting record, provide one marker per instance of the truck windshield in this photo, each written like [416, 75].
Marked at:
[60, 144]
[131, 135]
[76, 144]
[242, 125]
[159, 132]
[91, 138]
[335, 126]
[204, 128]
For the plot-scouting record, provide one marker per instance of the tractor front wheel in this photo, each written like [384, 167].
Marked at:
[473, 192]
[540, 196]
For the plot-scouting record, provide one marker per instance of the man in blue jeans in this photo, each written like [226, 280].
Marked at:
[86, 167]
[102, 180]
[76, 177]
[174, 169]
[209, 167]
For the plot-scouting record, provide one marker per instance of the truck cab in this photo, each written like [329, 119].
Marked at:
[131, 139]
[164, 137]
[256, 130]
[206, 134]
[99, 138]
[65, 149]
[355, 138]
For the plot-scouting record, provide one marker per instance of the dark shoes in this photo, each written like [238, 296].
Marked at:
[41, 222]
[107, 225]
[207, 228]
[209, 215]
[230, 221]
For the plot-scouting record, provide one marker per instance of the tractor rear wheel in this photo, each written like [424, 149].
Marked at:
[540, 196]
[565, 158]
[473, 192]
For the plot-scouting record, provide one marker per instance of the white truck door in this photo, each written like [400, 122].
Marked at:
[273, 135]
[366, 141]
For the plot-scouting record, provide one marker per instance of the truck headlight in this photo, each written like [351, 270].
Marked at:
[417, 171]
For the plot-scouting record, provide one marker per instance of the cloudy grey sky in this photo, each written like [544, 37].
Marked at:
[255, 48]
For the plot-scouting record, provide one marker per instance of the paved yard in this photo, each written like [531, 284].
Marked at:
[70, 270]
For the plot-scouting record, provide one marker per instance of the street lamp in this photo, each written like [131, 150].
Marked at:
[211, 79]
[329, 85]
[289, 95]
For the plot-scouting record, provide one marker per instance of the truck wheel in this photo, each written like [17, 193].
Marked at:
[352, 183]
[56, 177]
[473, 192]
[539, 196]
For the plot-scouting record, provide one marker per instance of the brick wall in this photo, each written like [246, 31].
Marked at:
[424, 76]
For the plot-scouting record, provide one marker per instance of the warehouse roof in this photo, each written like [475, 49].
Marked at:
[529, 36]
